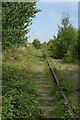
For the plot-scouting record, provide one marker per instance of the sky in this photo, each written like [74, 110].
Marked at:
[46, 22]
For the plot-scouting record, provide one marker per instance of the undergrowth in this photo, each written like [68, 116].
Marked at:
[68, 83]
[18, 91]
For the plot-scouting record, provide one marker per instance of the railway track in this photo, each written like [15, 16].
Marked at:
[43, 87]
[63, 94]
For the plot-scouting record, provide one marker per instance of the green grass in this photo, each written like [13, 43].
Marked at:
[20, 92]
[67, 75]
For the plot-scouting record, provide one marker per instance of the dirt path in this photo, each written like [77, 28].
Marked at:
[44, 83]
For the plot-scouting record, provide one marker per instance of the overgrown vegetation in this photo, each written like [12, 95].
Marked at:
[67, 75]
[65, 45]
[19, 92]
[36, 43]
[16, 18]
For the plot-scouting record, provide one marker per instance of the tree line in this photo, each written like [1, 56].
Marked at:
[16, 19]
[65, 44]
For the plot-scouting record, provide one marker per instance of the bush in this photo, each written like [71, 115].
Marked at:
[19, 95]
[43, 54]
[68, 57]
[65, 45]
[36, 43]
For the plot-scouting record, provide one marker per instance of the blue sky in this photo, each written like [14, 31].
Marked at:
[45, 24]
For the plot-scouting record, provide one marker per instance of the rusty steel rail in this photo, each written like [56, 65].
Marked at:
[63, 94]
[53, 73]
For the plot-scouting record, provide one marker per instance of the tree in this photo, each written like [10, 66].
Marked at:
[67, 39]
[65, 45]
[36, 43]
[52, 47]
[16, 17]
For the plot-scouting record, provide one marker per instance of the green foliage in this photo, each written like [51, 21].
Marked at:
[68, 82]
[66, 39]
[19, 92]
[19, 95]
[66, 87]
[16, 17]
[44, 54]
[65, 45]
[63, 112]
[52, 47]
[45, 51]
[68, 57]
[36, 43]
[65, 20]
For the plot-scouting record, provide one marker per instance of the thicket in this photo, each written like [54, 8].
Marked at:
[65, 45]
[19, 95]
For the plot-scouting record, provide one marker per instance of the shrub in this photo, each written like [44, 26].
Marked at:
[36, 43]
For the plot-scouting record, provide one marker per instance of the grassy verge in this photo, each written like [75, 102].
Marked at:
[19, 93]
[67, 75]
